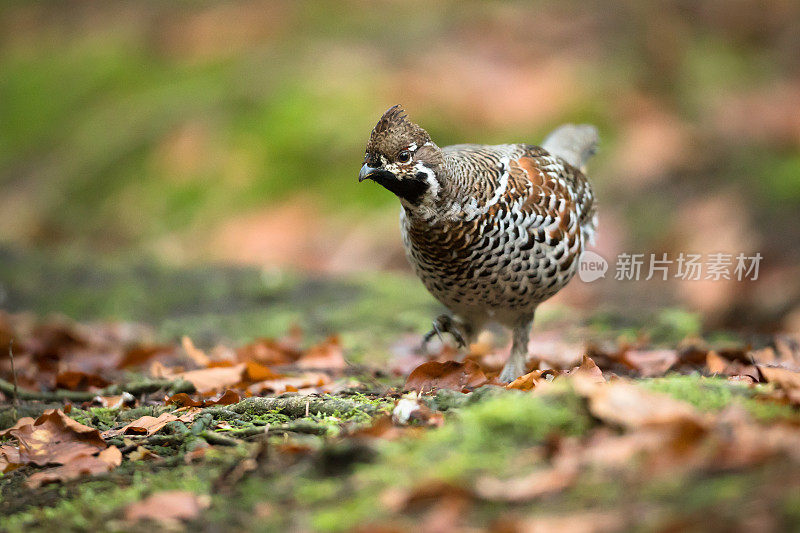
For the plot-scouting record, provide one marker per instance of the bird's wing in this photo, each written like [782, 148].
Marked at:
[543, 193]
[554, 200]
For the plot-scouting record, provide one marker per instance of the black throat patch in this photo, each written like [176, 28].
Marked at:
[409, 189]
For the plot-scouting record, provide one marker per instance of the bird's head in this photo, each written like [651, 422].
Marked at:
[402, 158]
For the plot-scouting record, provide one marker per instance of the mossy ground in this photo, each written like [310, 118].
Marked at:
[332, 481]
[337, 482]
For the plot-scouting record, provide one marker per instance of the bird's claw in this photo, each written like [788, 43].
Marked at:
[445, 324]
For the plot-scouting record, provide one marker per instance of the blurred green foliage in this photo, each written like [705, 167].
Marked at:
[122, 124]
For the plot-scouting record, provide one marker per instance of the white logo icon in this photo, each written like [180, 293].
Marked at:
[591, 266]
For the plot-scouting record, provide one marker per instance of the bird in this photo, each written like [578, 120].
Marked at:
[491, 230]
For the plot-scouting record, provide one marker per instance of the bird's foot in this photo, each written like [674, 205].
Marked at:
[514, 368]
[445, 324]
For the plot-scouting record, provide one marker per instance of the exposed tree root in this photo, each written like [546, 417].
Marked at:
[141, 387]
[301, 406]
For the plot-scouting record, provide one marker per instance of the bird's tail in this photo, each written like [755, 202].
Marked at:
[574, 143]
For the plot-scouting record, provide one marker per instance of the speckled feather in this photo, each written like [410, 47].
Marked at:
[512, 222]
[492, 231]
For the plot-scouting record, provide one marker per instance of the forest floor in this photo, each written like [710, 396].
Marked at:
[221, 399]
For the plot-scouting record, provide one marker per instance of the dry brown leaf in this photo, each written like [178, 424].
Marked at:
[54, 438]
[549, 480]
[588, 370]
[581, 522]
[716, 363]
[215, 377]
[434, 375]
[195, 354]
[143, 454]
[82, 465]
[228, 397]
[650, 363]
[9, 458]
[159, 371]
[423, 494]
[79, 381]
[268, 352]
[290, 384]
[24, 421]
[258, 372]
[142, 354]
[630, 406]
[528, 381]
[788, 380]
[327, 355]
[183, 400]
[167, 507]
[115, 402]
[146, 425]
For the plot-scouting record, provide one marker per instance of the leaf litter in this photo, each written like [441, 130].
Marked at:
[634, 430]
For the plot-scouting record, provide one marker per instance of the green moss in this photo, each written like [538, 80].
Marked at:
[348, 514]
[95, 503]
[713, 394]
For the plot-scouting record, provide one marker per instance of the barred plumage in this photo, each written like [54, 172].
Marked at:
[492, 231]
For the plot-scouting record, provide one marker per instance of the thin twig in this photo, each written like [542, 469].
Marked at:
[13, 372]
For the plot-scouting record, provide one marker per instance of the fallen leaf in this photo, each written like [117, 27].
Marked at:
[146, 425]
[167, 507]
[258, 372]
[214, 378]
[83, 465]
[631, 406]
[125, 399]
[787, 379]
[380, 427]
[716, 363]
[588, 370]
[327, 355]
[143, 454]
[184, 400]
[196, 355]
[290, 384]
[528, 381]
[580, 522]
[423, 494]
[540, 482]
[142, 354]
[268, 352]
[9, 458]
[24, 421]
[79, 381]
[434, 375]
[54, 438]
[229, 397]
[650, 363]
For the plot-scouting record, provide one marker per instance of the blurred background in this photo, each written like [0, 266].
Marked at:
[165, 160]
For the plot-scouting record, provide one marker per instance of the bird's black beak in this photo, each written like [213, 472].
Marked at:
[372, 173]
[365, 173]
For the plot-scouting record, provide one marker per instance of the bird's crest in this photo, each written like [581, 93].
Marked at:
[394, 132]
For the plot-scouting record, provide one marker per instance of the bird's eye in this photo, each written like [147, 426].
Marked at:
[404, 156]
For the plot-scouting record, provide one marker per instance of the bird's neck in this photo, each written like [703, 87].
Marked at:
[437, 207]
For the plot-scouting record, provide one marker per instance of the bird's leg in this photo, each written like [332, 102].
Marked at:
[515, 366]
[447, 324]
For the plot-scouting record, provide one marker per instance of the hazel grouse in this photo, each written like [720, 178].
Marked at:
[492, 231]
